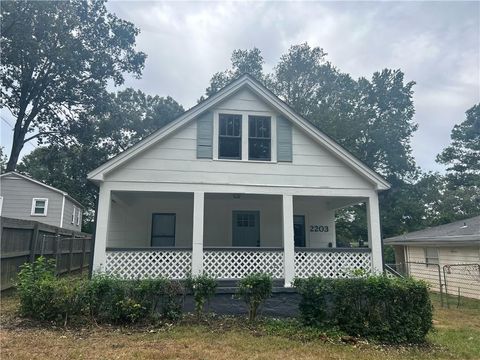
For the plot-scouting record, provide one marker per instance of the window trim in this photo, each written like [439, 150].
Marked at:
[245, 114]
[79, 215]
[34, 202]
[269, 159]
[174, 228]
[227, 136]
[429, 257]
[73, 214]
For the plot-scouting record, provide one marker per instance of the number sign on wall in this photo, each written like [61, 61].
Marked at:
[318, 228]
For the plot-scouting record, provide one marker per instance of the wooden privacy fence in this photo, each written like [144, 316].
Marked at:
[23, 241]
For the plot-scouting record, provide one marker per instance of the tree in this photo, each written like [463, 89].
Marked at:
[462, 156]
[57, 57]
[114, 125]
[3, 160]
[243, 62]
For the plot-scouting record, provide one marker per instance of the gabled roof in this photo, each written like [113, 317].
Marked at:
[271, 99]
[25, 177]
[459, 232]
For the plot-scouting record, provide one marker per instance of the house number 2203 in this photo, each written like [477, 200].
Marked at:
[318, 228]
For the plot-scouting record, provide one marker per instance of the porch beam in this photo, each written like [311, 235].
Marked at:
[288, 241]
[197, 240]
[374, 233]
[101, 232]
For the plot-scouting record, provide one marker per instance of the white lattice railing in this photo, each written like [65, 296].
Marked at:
[330, 263]
[132, 264]
[236, 263]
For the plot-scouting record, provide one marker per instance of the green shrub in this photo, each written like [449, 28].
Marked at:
[116, 300]
[45, 297]
[392, 310]
[255, 289]
[203, 289]
[104, 298]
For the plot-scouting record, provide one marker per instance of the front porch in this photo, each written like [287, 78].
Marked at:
[230, 235]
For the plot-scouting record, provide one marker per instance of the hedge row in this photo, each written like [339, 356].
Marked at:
[388, 309]
[376, 307]
[109, 299]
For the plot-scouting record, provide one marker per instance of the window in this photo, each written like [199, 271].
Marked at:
[74, 214]
[299, 230]
[230, 136]
[259, 138]
[39, 207]
[163, 229]
[431, 256]
[79, 215]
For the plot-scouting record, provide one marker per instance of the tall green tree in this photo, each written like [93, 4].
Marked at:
[243, 62]
[57, 58]
[462, 156]
[115, 124]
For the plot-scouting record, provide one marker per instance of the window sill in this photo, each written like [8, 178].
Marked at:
[247, 161]
[40, 215]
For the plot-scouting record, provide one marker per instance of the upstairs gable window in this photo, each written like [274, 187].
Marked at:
[259, 138]
[230, 136]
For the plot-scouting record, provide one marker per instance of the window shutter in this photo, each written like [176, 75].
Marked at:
[284, 139]
[205, 136]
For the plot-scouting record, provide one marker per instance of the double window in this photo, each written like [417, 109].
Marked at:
[39, 207]
[76, 215]
[230, 137]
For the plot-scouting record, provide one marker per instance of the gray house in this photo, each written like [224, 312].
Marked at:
[22, 197]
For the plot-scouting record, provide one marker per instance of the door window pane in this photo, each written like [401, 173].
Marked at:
[230, 136]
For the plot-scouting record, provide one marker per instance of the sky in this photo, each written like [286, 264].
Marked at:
[436, 44]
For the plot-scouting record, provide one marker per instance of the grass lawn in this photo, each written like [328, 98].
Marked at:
[457, 336]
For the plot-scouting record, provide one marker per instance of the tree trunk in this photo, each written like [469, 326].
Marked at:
[17, 147]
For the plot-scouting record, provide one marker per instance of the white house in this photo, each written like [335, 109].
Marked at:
[239, 183]
[448, 254]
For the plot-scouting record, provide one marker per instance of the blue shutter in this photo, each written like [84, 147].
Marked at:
[284, 139]
[205, 136]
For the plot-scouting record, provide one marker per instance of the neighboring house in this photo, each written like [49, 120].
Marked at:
[239, 183]
[22, 197]
[455, 246]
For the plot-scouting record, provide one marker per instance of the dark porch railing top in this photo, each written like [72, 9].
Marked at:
[238, 248]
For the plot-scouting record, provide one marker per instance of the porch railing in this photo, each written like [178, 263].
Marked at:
[237, 262]
[229, 263]
[331, 263]
[138, 263]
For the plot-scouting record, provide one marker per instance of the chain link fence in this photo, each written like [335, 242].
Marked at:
[457, 280]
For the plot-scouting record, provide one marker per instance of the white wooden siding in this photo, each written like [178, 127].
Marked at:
[447, 255]
[174, 160]
[67, 216]
[17, 196]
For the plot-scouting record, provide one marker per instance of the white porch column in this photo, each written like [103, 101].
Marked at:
[288, 240]
[197, 241]
[374, 233]
[101, 232]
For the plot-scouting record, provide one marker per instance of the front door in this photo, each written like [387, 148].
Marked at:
[246, 228]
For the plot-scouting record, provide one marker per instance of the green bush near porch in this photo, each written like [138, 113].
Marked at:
[385, 309]
[103, 298]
